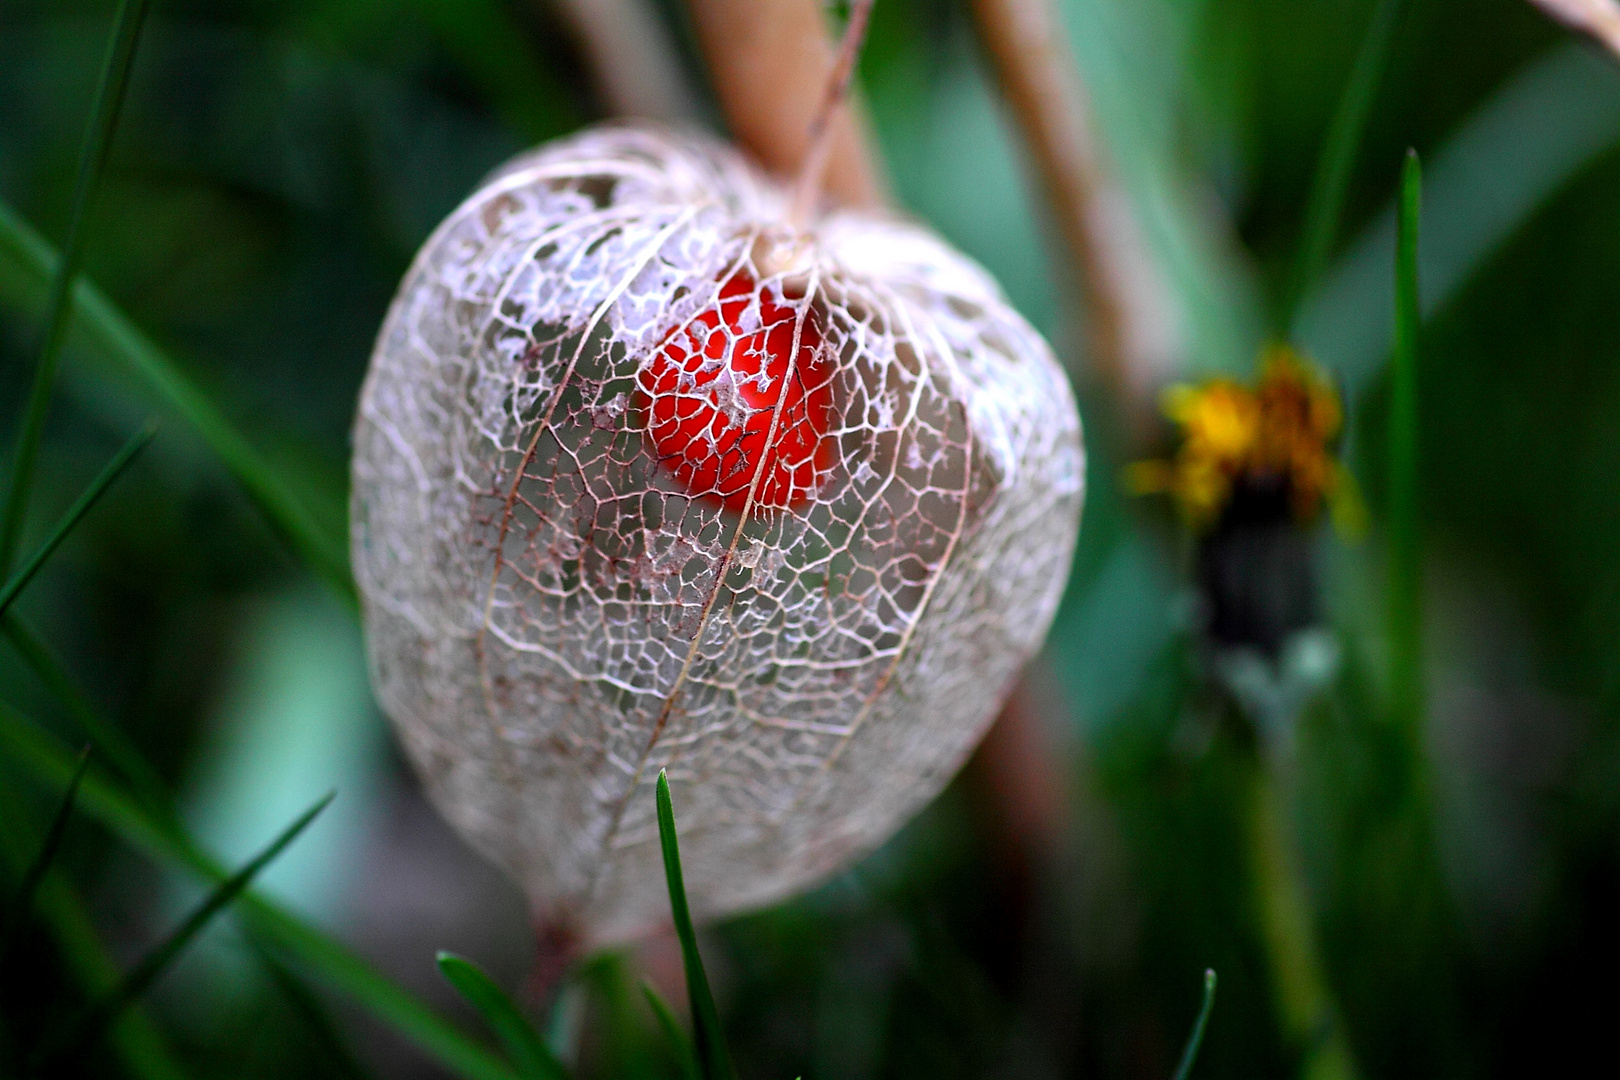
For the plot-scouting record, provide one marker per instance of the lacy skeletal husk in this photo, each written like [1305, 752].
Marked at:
[553, 616]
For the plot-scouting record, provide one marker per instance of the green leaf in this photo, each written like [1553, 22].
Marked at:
[100, 484]
[711, 1043]
[107, 737]
[127, 759]
[81, 1035]
[685, 1056]
[45, 756]
[27, 262]
[356, 977]
[109, 100]
[1196, 1039]
[1325, 205]
[493, 52]
[528, 1052]
[1542, 128]
[136, 1040]
[313, 1013]
[23, 902]
[1405, 586]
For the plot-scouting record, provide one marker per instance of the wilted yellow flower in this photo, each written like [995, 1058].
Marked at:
[1277, 432]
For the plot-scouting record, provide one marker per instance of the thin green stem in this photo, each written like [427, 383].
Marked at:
[139, 1045]
[312, 1011]
[1324, 207]
[127, 759]
[23, 903]
[286, 505]
[109, 100]
[82, 1034]
[45, 756]
[1405, 540]
[679, 1044]
[113, 469]
[1304, 1001]
[1196, 1039]
[107, 737]
[710, 1038]
[524, 1047]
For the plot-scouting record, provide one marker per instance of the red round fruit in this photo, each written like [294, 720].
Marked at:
[716, 385]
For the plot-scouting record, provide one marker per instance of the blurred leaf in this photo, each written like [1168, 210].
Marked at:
[23, 902]
[83, 1034]
[1325, 205]
[133, 766]
[1104, 643]
[45, 756]
[109, 99]
[685, 1056]
[1196, 1039]
[313, 1013]
[27, 261]
[137, 1041]
[1133, 58]
[711, 1042]
[1405, 587]
[496, 54]
[528, 1052]
[356, 977]
[293, 717]
[113, 469]
[1525, 143]
[105, 736]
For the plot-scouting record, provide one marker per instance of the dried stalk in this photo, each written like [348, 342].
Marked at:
[1126, 312]
[770, 62]
[1023, 766]
[632, 59]
[1599, 18]
[807, 189]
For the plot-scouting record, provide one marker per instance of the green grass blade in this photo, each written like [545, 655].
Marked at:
[109, 99]
[711, 1043]
[83, 1034]
[27, 259]
[98, 486]
[309, 1008]
[344, 970]
[685, 1056]
[47, 758]
[1325, 205]
[1196, 1039]
[1545, 126]
[23, 903]
[107, 737]
[1405, 583]
[527, 1051]
[137, 1042]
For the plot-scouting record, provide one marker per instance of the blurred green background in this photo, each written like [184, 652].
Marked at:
[1453, 877]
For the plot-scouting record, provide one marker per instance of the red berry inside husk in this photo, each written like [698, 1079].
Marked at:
[715, 387]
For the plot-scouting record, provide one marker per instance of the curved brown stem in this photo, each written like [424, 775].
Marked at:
[632, 58]
[558, 947]
[770, 62]
[1123, 302]
[808, 188]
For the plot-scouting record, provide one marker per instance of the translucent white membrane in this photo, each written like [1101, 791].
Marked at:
[554, 615]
